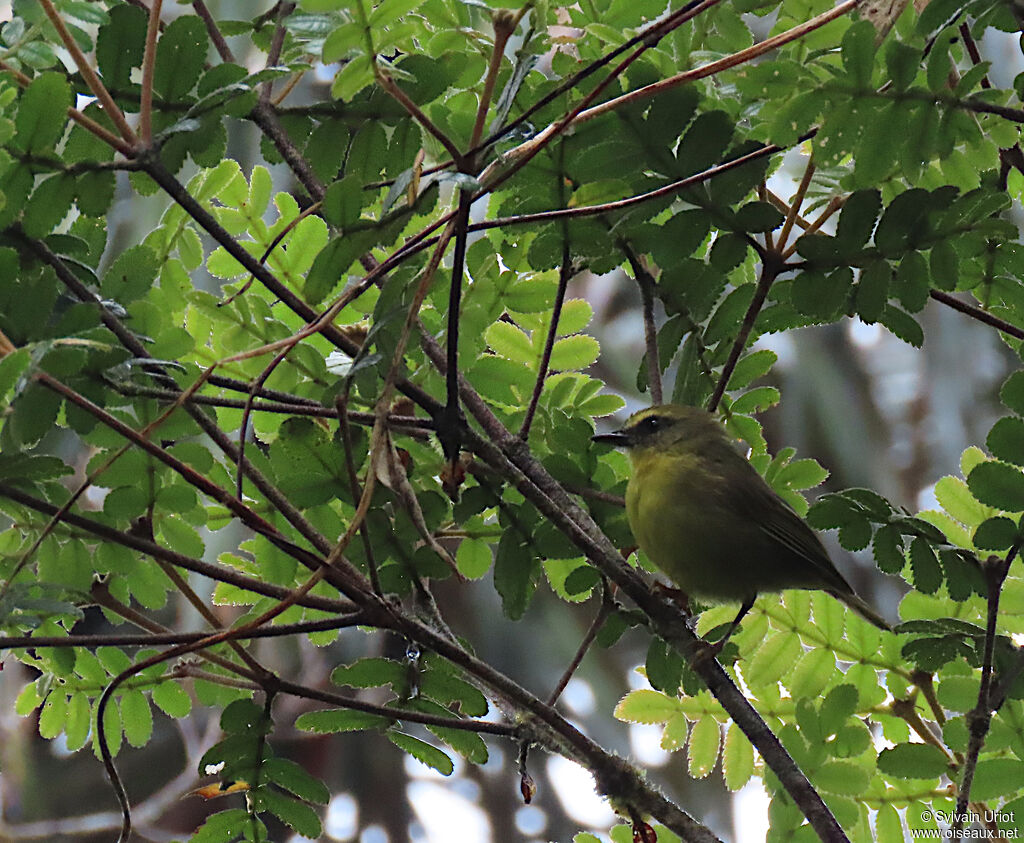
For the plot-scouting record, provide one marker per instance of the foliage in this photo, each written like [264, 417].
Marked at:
[378, 369]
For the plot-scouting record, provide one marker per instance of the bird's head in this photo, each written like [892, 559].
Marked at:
[664, 427]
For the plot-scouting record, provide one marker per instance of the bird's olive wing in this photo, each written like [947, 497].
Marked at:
[758, 503]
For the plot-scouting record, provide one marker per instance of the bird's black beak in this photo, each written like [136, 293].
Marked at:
[617, 439]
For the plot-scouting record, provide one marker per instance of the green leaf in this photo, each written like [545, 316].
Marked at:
[1011, 393]
[913, 761]
[76, 723]
[822, 296]
[296, 815]
[925, 566]
[839, 704]
[573, 353]
[1006, 440]
[515, 575]
[511, 342]
[903, 325]
[663, 666]
[758, 217]
[737, 758]
[343, 201]
[872, 292]
[224, 827]
[423, 752]
[646, 706]
[998, 484]
[775, 657]
[48, 205]
[120, 44]
[339, 720]
[751, 367]
[172, 699]
[812, 673]
[294, 779]
[131, 274]
[702, 747]
[474, 558]
[53, 715]
[844, 777]
[370, 673]
[41, 113]
[857, 219]
[998, 533]
[858, 52]
[180, 56]
[136, 717]
[994, 777]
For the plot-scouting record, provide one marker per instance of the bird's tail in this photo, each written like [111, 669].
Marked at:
[862, 609]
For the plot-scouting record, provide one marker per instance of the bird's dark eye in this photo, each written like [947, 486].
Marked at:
[652, 424]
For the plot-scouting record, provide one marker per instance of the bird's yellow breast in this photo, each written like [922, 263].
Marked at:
[682, 521]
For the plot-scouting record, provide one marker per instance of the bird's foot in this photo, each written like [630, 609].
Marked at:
[676, 596]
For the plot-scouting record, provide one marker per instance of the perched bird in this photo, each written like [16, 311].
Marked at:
[710, 522]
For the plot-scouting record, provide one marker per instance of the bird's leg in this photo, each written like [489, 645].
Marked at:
[711, 650]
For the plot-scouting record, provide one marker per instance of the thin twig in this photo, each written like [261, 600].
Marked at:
[769, 271]
[979, 718]
[607, 604]
[447, 422]
[976, 313]
[341, 403]
[566, 272]
[504, 23]
[417, 114]
[218, 573]
[645, 282]
[213, 30]
[795, 204]
[148, 64]
[276, 44]
[834, 204]
[715, 67]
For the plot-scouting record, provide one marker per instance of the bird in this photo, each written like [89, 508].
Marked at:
[711, 523]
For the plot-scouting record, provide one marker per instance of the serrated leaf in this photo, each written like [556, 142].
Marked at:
[1011, 393]
[998, 533]
[574, 353]
[423, 752]
[702, 747]
[172, 699]
[913, 761]
[136, 717]
[369, 673]
[812, 673]
[843, 777]
[339, 720]
[998, 484]
[737, 758]
[647, 706]
[296, 815]
[924, 566]
[294, 779]
[474, 558]
[41, 116]
[774, 658]
[1006, 440]
[180, 55]
[511, 343]
[751, 367]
